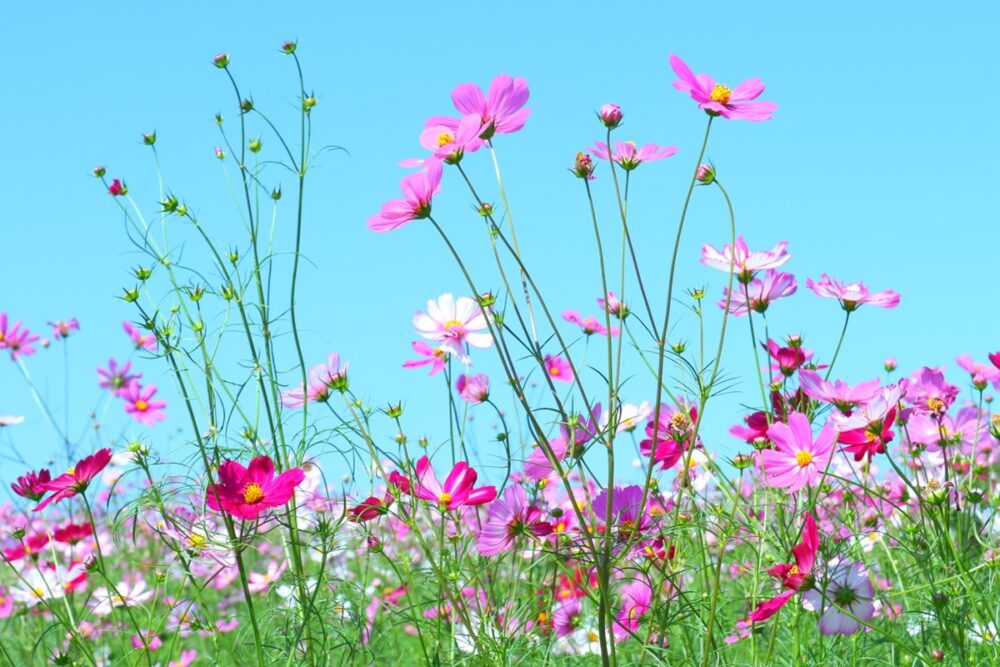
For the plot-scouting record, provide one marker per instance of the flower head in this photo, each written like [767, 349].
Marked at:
[115, 378]
[142, 341]
[31, 485]
[672, 429]
[797, 459]
[501, 110]
[63, 328]
[610, 115]
[457, 490]
[140, 404]
[744, 262]
[246, 493]
[717, 99]
[510, 516]
[629, 155]
[474, 389]
[558, 368]
[323, 378]
[851, 295]
[449, 139]
[454, 323]
[418, 190]
[795, 577]
[845, 587]
[613, 306]
[14, 338]
[758, 294]
[76, 479]
[589, 325]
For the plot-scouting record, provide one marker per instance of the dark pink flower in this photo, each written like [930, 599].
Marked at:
[14, 338]
[246, 493]
[457, 490]
[637, 598]
[140, 404]
[851, 295]
[500, 110]
[31, 485]
[77, 479]
[117, 188]
[142, 341]
[558, 368]
[673, 431]
[418, 190]
[795, 578]
[717, 99]
[610, 115]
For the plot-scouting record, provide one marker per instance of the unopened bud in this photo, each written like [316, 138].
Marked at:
[289, 47]
[889, 365]
[486, 210]
[149, 139]
[221, 61]
[583, 166]
[99, 171]
[246, 106]
[705, 174]
[131, 295]
[255, 145]
[610, 115]
[219, 153]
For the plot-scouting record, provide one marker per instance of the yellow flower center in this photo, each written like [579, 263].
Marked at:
[721, 94]
[141, 405]
[452, 324]
[803, 458]
[794, 570]
[1, 336]
[542, 617]
[38, 592]
[197, 541]
[680, 421]
[444, 139]
[592, 636]
[71, 470]
[444, 498]
[252, 493]
[553, 370]
[935, 404]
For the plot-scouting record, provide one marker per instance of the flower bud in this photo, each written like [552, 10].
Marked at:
[276, 193]
[742, 461]
[255, 145]
[679, 347]
[117, 188]
[142, 273]
[889, 365]
[706, 174]
[486, 210]
[610, 115]
[149, 139]
[583, 167]
[394, 411]
[170, 204]
[219, 153]
[218, 119]
[486, 299]
[131, 295]
[221, 61]
[979, 381]
[99, 171]
[289, 47]
[246, 106]
[308, 103]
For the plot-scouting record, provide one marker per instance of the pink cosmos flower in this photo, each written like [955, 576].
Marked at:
[846, 586]
[115, 378]
[590, 325]
[76, 479]
[839, 393]
[500, 110]
[509, 517]
[450, 138]
[261, 582]
[797, 460]
[72, 533]
[614, 307]
[994, 358]
[793, 577]
[718, 100]
[981, 372]
[323, 378]
[567, 617]
[674, 430]
[418, 190]
[14, 338]
[558, 368]
[246, 493]
[63, 328]
[870, 439]
[435, 357]
[630, 156]
[453, 322]
[186, 659]
[852, 295]
[786, 360]
[576, 432]
[457, 490]
[31, 485]
[142, 341]
[474, 389]
[625, 518]
[140, 404]
[30, 545]
[928, 392]
[637, 598]
[763, 293]
[745, 262]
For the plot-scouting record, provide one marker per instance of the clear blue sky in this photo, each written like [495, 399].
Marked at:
[879, 165]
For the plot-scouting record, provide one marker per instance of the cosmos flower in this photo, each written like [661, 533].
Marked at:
[558, 368]
[845, 586]
[744, 262]
[629, 155]
[762, 293]
[589, 325]
[115, 378]
[127, 595]
[15, 339]
[63, 328]
[140, 404]
[418, 190]
[474, 389]
[323, 378]
[501, 110]
[246, 493]
[453, 322]
[76, 479]
[457, 490]
[717, 99]
[797, 460]
[838, 393]
[510, 516]
[142, 341]
[851, 295]
[795, 577]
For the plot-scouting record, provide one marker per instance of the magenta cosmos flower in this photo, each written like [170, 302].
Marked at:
[31, 485]
[851, 295]
[449, 139]
[717, 99]
[140, 404]
[625, 517]
[76, 479]
[457, 490]
[246, 493]
[14, 338]
[745, 263]
[418, 190]
[630, 156]
[797, 460]
[435, 357]
[453, 322]
[589, 325]
[510, 516]
[501, 110]
[762, 293]
[558, 368]
[142, 341]
[637, 598]
[115, 378]
[610, 115]
[474, 389]
[795, 577]
[672, 429]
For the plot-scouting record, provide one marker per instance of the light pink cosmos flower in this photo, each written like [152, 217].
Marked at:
[457, 490]
[846, 585]
[474, 389]
[613, 305]
[186, 659]
[322, 379]
[838, 393]
[872, 415]
[558, 368]
[567, 617]
[418, 190]
[140, 404]
[629, 155]
[449, 139]
[127, 595]
[435, 357]
[590, 325]
[510, 517]
[763, 293]
[719, 100]
[14, 338]
[637, 598]
[851, 295]
[63, 328]
[453, 322]
[797, 460]
[142, 341]
[745, 262]
[500, 110]
[928, 391]
[981, 372]
[261, 582]
[115, 378]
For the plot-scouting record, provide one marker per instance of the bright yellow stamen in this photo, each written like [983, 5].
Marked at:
[197, 541]
[444, 498]
[141, 405]
[39, 592]
[252, 493]
[553, 370]
[680, 421]
[803, 458]
[592, 636]
[935, 404]
[451, 324]
[794, 570]
[720, 94]
[445, 138]
[542, 617]
[71, 470]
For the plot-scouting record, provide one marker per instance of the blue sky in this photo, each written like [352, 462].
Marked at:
[879, 166]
